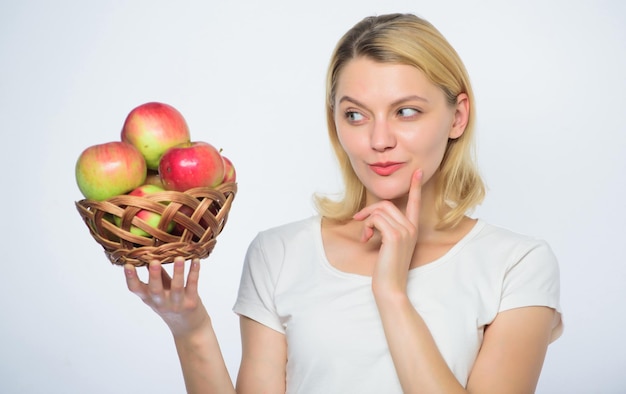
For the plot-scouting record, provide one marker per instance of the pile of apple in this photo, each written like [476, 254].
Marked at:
[155, 153]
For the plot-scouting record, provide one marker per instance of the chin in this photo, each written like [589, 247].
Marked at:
[390, 197]
[387, 191]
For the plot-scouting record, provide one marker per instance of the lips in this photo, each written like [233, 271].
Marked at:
[386, 168]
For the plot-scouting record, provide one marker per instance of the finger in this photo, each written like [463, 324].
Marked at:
[384, 209]
[192, 278]
[379, 221]
[178, 280]
[368, 210]
[369, 227]
[381, 206]
[155, 282]
[362, 214]
[368, 231]
[132, 281]
[414, 199]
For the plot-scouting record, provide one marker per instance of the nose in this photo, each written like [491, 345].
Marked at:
[382, 136]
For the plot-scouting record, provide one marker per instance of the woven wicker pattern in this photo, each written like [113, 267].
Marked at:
[199, 215]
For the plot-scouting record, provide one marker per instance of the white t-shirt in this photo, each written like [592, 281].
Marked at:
[335, 339]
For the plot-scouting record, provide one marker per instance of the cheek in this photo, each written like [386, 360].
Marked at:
[350, 143]
[429, 147]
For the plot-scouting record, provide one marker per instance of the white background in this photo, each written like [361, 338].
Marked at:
[249, 77]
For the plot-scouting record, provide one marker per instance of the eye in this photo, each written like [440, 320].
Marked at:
[354, 116]
[408, 112]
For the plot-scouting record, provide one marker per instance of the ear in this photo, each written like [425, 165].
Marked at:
[461, 116]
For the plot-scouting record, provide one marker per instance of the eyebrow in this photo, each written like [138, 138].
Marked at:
[412, 97]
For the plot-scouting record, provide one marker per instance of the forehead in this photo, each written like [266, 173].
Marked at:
[364, 78]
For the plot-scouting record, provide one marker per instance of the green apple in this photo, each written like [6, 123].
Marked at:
[230, 175]
[151, 218]
[153, 128]
[109, 169]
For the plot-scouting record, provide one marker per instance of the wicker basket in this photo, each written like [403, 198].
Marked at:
[199, 215]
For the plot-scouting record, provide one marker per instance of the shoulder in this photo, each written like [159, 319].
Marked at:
[530, 271]
[523, 260]
[502, 233]
[503, 253]
[289, 232]
[498, 239]
[273, 243]
[291, 227]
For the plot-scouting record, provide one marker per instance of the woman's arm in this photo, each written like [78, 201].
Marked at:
[264, 350]
[262, 367]
[513, 351]
[203, 366]
[264, 359]
[514, 346]
[418, 362]
[509, 360]
[179, 305]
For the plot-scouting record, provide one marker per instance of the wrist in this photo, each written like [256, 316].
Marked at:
[190, 341]
[390, 296]
[191, 325]
[389, 290]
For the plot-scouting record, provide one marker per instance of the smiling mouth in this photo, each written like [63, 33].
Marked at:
[386, 168]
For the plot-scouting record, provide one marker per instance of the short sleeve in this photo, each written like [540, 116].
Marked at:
[534, 280]
[255, 298]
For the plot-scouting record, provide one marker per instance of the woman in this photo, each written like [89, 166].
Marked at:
[393, 288]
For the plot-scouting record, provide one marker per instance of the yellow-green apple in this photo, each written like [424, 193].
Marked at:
[151, 218]
[109, 169]
[153, 128]
[189, 165]
[230, 175]
[153, 178]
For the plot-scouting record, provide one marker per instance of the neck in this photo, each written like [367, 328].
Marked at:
[428, 219]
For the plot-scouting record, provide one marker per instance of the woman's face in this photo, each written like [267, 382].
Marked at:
[391, 120]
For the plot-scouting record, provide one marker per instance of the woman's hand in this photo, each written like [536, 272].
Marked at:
[398, 233]
[179, 305]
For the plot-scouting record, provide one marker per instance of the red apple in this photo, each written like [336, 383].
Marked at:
[153, 128]
[194, 164]
[230, 175]
[186, 210]
[109, 169]
[151, 218]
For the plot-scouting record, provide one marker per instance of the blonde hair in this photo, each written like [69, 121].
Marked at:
[408, 39]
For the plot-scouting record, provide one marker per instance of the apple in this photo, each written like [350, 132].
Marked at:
[153, 128]
[109, 169]
[186, 210]
[153, 178]
[189, 165]
[230, 175]
[151, 218]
